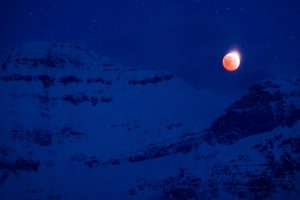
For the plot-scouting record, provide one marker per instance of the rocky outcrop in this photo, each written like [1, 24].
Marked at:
[267, 106]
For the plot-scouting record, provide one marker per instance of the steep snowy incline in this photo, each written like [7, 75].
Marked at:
[268, 105]
[56, 85]
[61, 103]
[252, 151]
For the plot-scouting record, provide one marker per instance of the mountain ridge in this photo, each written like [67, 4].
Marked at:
[75, 125]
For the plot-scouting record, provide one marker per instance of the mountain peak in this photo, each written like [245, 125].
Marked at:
[53, 55]
[268, 104]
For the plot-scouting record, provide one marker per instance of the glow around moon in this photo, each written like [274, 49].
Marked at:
[231, 61]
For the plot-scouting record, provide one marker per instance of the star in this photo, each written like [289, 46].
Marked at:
[292, 37]
[94, 22]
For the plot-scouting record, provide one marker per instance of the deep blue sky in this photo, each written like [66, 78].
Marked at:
[186, 37]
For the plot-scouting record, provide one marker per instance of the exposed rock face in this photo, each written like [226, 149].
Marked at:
[267, 106]
[59, 101]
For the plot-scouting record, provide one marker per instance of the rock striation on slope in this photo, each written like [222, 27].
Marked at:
[268, 105]
[61, 103]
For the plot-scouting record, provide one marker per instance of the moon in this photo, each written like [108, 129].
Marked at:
[231, 61]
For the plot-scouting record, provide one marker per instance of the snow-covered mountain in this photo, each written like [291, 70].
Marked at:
[78, 126]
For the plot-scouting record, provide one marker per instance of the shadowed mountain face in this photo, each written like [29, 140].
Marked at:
[268, 105]
[78, 126]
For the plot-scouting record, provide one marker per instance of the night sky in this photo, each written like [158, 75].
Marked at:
[186, 37]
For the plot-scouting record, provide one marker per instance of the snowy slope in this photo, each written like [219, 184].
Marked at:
[78, 126]
[249, 152]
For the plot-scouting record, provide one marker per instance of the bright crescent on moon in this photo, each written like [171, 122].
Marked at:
[231, 61]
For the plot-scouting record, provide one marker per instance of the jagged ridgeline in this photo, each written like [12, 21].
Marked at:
[268, 105]
[61, 100]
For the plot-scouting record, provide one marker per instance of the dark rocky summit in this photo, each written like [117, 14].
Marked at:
[266, 106]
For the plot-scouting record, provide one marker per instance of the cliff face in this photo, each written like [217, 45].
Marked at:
[51, 83]
[249, 152]
[268, 105]
[78, 126]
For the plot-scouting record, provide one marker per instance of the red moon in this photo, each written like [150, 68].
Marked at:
[231, 61]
